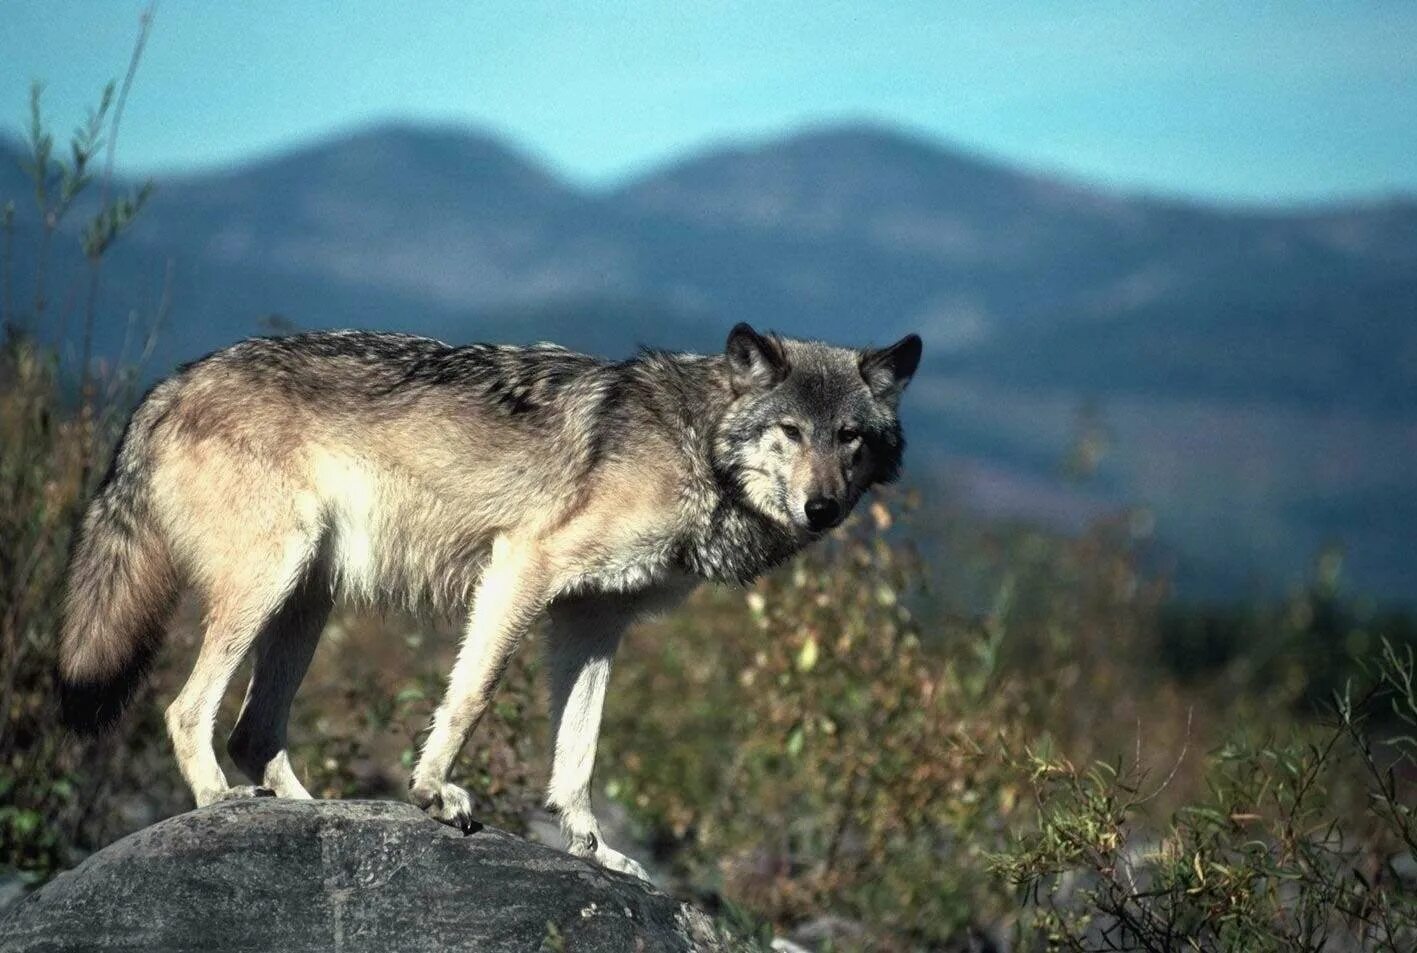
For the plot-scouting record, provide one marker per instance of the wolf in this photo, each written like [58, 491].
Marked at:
[507, 483]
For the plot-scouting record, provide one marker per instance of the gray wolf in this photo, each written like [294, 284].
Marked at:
[281, 474]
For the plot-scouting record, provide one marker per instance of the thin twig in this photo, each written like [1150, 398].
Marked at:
[7, 268]
[96, 261]
[1185, 746]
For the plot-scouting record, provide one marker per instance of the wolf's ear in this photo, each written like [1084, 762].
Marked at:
[755, 362]
[887, 370]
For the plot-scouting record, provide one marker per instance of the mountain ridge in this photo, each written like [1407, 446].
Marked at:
[1404, 200]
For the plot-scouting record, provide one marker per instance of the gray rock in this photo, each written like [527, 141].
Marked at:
[12, 889]
[270, 874]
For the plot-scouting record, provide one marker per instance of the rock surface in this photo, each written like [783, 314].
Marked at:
[270, 874]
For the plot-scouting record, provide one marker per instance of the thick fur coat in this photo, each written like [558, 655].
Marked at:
[279, 475]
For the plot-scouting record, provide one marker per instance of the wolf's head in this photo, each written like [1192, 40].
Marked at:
[812, 426]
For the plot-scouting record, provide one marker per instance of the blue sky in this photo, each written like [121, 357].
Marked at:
[1249, 101]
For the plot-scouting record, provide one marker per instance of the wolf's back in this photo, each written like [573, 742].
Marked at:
[121, 586]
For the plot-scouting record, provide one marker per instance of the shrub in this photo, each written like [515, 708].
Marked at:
[52, 788]
[813, 753]
[1305, 843]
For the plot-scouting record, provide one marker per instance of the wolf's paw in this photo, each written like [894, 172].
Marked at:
[612, 859]
[237, 793]
[445, 802]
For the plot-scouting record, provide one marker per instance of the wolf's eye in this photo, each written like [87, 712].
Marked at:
[792, 432]
[848, 435]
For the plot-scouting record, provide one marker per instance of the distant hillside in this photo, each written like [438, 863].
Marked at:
[1050, 283]
[1251, 371]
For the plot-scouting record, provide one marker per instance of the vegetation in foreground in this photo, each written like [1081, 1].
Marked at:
[1024, 746]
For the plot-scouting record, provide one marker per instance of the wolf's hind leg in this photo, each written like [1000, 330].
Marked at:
[283, 651]
[234, 620]
[510, 595]
[581, 643]
[190, 717]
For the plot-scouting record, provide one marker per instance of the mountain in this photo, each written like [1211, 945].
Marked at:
[1247, 373]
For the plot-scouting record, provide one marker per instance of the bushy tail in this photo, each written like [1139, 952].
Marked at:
[121, 590]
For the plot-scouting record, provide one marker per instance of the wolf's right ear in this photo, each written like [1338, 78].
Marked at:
[887, 370]
[755, 362]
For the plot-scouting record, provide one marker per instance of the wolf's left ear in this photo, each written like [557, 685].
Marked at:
[887, 370]
[755, 362]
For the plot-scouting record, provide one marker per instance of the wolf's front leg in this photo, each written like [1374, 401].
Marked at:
[510, 595]
[581, 642]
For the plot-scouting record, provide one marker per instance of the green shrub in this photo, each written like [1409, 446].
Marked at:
[1300, 845]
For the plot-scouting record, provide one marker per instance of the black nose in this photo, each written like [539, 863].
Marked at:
[823, 512]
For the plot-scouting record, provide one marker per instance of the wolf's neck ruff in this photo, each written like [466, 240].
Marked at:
[734, 543]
